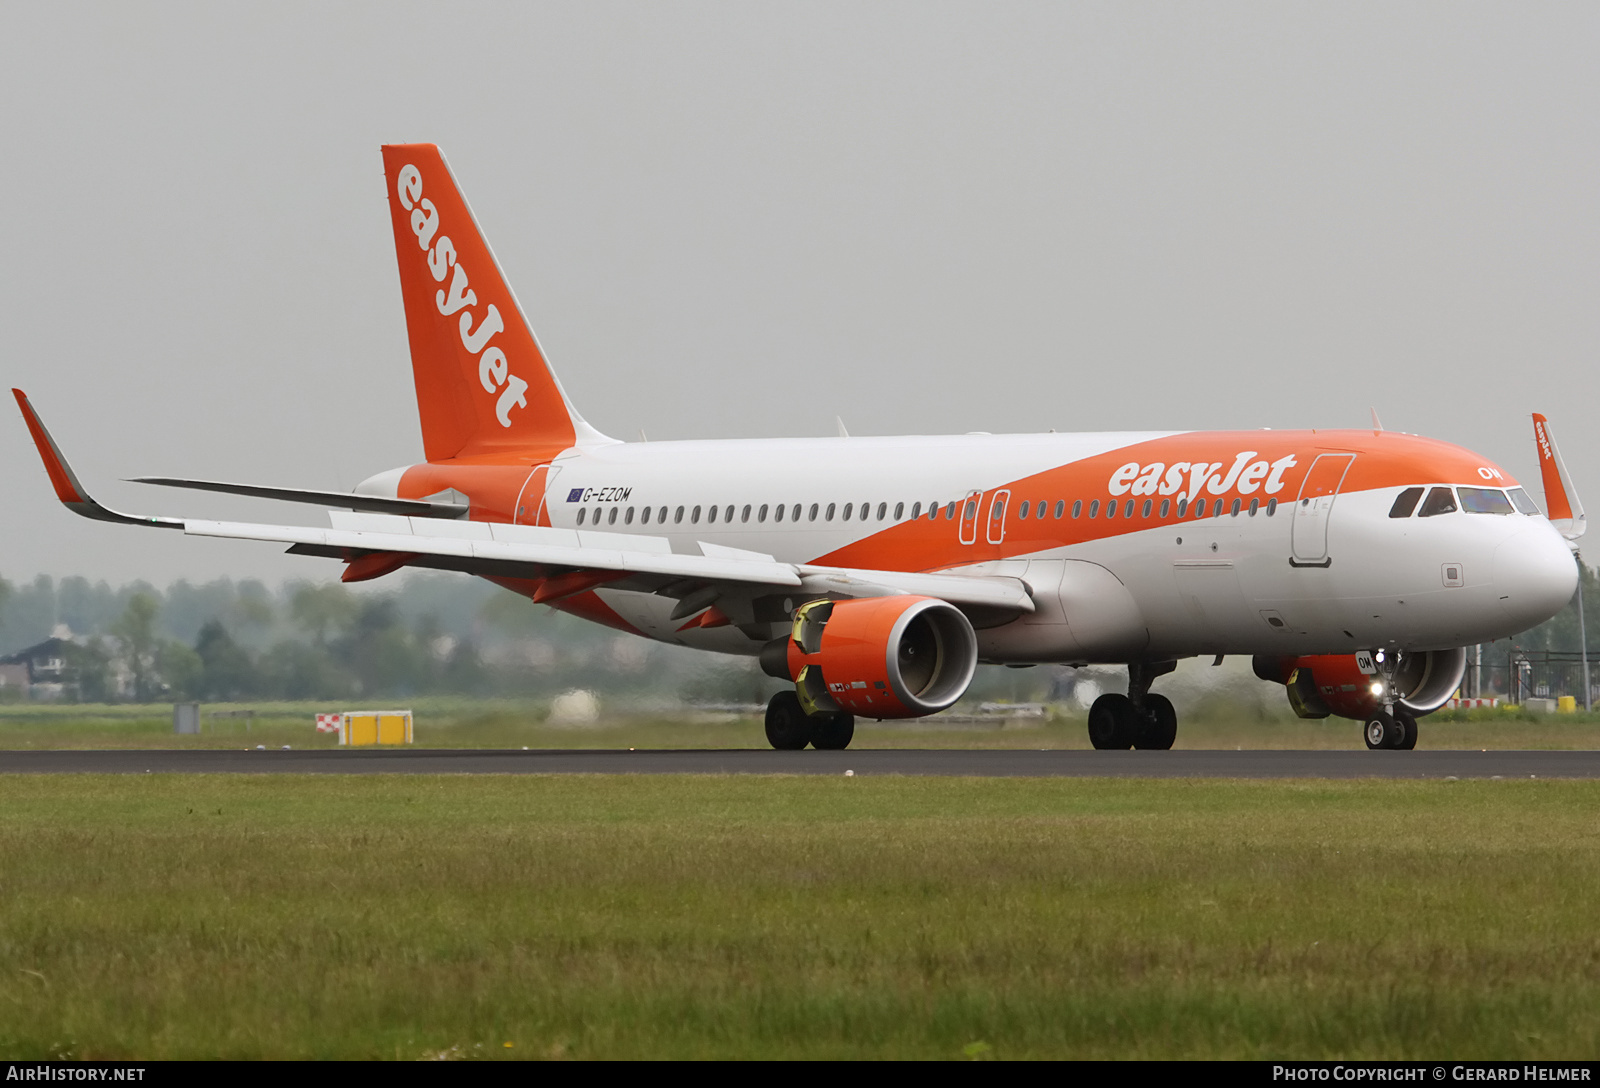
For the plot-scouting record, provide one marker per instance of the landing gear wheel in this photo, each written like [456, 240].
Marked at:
[833, 731]
[1113, 723]
[1160, 727]
[1385, 731]
[788, 728]
[1408, 732]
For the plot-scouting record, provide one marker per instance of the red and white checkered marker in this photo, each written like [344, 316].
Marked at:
[329, 723]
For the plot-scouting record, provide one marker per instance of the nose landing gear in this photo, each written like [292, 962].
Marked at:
[1395, 731]
[1138, 719]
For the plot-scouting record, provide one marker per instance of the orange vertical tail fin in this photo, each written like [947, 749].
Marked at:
[483, 383]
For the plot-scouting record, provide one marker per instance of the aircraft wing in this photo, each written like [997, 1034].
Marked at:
[562, 561]
[346, 500]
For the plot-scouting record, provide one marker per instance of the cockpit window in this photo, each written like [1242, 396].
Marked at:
[1405, 502]
[1439, 501]
[1523, 501]
[1485, 500]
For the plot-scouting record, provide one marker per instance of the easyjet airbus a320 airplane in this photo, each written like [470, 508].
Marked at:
[876, 574]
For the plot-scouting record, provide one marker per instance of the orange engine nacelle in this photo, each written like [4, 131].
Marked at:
[879, 657]
[1356, 685]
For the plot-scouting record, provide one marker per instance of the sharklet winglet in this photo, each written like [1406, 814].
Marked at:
[72, 494]
[1562, 505]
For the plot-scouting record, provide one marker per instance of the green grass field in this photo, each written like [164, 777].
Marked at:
[576, 916]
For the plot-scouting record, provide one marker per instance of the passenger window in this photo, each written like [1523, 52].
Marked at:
[950, 510]
[628, 517]
[711, 516]
[833, 508]
[1439, 501]
[883, 510]
[1144, 511]
[972, 508]
[794, 515]
[1200, 508]
[1077, 507]
[812, 516]
[582, 512]
[1022, 511]
[777, 512]
[661, 516]
[1523, 501]
[1272, 507]
[1094, 508]
[1166, 507]
[1485, 500]
[916, 511]
[744, 515]
[899, 510]
[611, 518]
[1405, 502]
[677, 516]
[1183, 507]
[1255, 504]
[761, 514]
[694, 518]
[1111, 509]
[848, 507]
[727, 515]
[1127, 511]
[1235, 511]
[644, 516]
[1061, 508]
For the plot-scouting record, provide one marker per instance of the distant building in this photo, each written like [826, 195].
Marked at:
[40, 672]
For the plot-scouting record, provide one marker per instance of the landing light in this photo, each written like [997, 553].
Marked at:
[1377, 689]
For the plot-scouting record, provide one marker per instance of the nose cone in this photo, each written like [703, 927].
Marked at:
[1534, 575]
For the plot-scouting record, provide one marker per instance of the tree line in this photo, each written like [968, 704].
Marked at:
[429, 633]
[231, 641]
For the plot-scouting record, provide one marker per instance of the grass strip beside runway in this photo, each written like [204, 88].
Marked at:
[601, 916]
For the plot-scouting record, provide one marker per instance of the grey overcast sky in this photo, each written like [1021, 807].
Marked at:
[732, 220]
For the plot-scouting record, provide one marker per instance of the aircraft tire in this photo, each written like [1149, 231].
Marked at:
[788, 727]
[1113, 723]
[1160, 727]
[1408, 732]
[833, 732]
[1384, 731]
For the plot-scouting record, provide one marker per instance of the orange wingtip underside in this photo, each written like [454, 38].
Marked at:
[1557, 506]
[54, 466]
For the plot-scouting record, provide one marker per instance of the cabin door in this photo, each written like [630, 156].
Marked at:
[1309, 533]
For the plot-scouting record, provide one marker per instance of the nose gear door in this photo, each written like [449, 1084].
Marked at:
[1309, 532]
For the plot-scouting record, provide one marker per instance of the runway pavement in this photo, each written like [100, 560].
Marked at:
[992, 763]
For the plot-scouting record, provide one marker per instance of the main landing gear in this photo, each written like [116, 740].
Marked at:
[1397, 730]
[790, 728]
[1138, 719]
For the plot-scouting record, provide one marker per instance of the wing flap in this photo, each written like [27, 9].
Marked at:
[422, 508]
[698, 567]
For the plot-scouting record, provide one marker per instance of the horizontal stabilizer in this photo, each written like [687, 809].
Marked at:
[371, 504]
